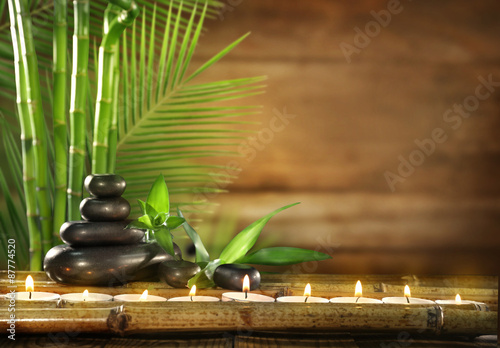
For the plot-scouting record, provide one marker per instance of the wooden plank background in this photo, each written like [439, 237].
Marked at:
[352, 122]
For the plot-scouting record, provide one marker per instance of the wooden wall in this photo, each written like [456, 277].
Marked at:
[355, 121]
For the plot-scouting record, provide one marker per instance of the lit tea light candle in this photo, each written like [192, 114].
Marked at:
[407, 299]
[144, 297]
[245, 296]
[358, 297]
[31, 294]
[307, 298]
[193, 298]
[480, 306]
[86, 296]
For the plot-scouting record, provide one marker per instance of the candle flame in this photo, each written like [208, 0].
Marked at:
[85, 295]
[144, 296]
[407, 291]
[246, 283]
[458, 299]
[358, 291]
[30, 285]
[307, 290]
[193, 291]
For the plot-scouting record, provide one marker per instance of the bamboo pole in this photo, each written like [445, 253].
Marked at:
[112, 12]
[104, 87]
[77, 115]
[196, 316]
[28, 159]
[69, 320]
[464, 322]
[59, 117]
[37, 120]
[364, 318]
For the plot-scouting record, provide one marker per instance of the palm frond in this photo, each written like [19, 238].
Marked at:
[176, 120]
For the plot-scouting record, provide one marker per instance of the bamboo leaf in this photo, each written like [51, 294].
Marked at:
[246, 239]
[281, 256]
[174, 221]
[201, 252]
[158, 197]
[164, 238]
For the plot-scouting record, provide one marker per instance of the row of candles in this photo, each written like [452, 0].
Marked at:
[244, 296]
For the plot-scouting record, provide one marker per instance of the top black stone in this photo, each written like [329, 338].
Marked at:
[105, 185]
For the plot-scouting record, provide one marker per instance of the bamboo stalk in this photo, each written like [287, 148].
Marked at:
[28, 160]
[111, 12]
[104, 87]
[299, 317]
[77, 114]
[29, 58]
[59, 117]
[196, 316]
[71, 320]
[464, 322]
[113, 129]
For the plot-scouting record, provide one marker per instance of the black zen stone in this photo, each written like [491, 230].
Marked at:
[105, 185]
[86, 233]
[104, 266]
[105, 209]
[177, 273]
[230, 276]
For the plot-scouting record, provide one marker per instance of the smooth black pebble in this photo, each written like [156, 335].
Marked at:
[86, 233]
[105, 185]
[104, 209]
[104, 266]
[176, 273]
[230, 276]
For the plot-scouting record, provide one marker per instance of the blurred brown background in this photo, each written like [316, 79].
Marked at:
[348, 124]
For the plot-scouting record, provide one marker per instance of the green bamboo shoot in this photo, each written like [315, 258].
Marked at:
[105, 83]
[77, 107]
[59, 116]
[26, 143]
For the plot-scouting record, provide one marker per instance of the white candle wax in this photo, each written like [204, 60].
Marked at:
[35, 295]
[404, 300]
[297, 299]
[194, 299]
[135, 298]
[92, 297]
[480, 306]
[354, 300]
[240, 297]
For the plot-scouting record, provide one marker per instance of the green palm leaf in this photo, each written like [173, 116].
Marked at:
[165, 121]
[174, 120]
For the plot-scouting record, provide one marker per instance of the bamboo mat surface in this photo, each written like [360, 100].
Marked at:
[170, 333]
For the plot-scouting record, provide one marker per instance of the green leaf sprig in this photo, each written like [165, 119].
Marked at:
[156, 215]
[237, 249]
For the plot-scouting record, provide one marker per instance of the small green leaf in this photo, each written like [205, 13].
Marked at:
[146, 220]
[201, 252]
[174, 221]
[281, 256]
[142, 206]
[246, 239]
[158, 197]
[164, 238]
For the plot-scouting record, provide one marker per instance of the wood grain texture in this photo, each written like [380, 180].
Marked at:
[353, 122]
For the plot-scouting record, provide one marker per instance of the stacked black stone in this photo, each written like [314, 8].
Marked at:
[99, 250]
